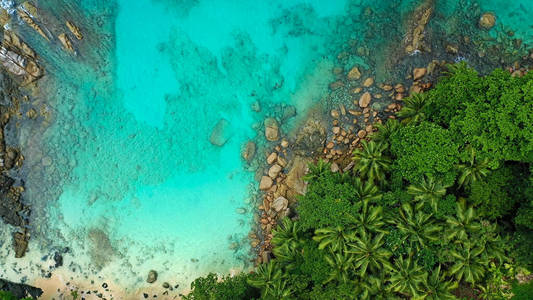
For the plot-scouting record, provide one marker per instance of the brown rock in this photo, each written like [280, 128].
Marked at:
[354, 74]
[487, 20]
[399, 88]
[272, 158]
[273, 172]
[364, 100]
[294, 180]
[368, 82]
[336, 130]
[284, 143]
[361, 134]
[282, 162]
[334, 114]
[265, 183]
[65, 41]
[419, 73]
[20, 243]
[74, 29]
[271, 129]
[330, 145]
[386, 87]
[357, 90]
[152, 276]
[280, 204]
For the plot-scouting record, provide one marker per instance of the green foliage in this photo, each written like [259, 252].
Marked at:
[523, 291]
[329, 200]
[428, 190]
[522, 242]
[210, 288]
[472, 169]
[493, 113]
[407, 277]
[413, 109]
[424, 149]
[492, 195]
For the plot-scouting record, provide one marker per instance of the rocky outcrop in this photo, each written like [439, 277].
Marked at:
[19, 290]
[310, 138]
[25, 15]
[487, 20]
[65, 41]
[294, 181]
[18, 58]
[416, 26]
[74, 30]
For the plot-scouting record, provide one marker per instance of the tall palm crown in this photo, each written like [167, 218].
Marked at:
[469, 263]
[407, 277]
[369, 254]
[386, 130]
[420, 228]
[341, 264]
[436, 287]
[428, 190]
[413, 109]
[287, 233]
[365, 192]
[370, 161]
[472, 170]
[369, 219]
[267, 278]
[335, 238]
[463, 224]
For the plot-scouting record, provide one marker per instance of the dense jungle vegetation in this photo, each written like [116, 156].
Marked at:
[438, 206]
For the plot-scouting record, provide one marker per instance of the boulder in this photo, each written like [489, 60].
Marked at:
[295, 183]
[74, 29]
[310, 138]
[419, 73]
[272, 158]
[364, 100]
[152, 276]
[265, 183]
[271, 129]
[273, 172]
[248, 152]
[368, 82]
[354, 74]
[280, 204]
[21, 244]
[487, 20]
[221, 133]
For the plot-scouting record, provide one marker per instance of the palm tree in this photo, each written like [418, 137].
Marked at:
[368, 220]
[365, 191]
[491, 242]
[463, 223]
[370, 161]
[407, 277]
[419, 227]
[341, 264]
[413, 109]
[469, 264]
[428, 190]
[369, 253]
[267, 278]
[287, 233]
[472, 170]
[335, 238]
[437, 287]
[317, 170]
[386, 131]
[373, 288]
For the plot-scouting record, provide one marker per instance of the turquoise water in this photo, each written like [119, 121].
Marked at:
[124, 173]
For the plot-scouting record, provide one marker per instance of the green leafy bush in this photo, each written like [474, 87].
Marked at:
[424, 148]
[210, 288]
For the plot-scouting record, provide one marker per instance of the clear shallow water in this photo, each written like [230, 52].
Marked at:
[133, 183]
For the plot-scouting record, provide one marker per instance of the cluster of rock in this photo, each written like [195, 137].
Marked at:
[414, 39]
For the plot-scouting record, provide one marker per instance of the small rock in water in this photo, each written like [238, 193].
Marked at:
[166, 285]
[365, 100]
[354, 74]
[152, 276]
[487, 20]
[221, 133]
[271, 129]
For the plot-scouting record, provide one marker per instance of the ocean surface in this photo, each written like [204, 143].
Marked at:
[122, 176]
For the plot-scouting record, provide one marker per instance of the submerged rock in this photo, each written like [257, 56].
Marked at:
[487, 20]
[152, 276]
[280, 204]
[65, 41]
[248, 152]
[221, 133]
[74, 29]
[271, 129]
